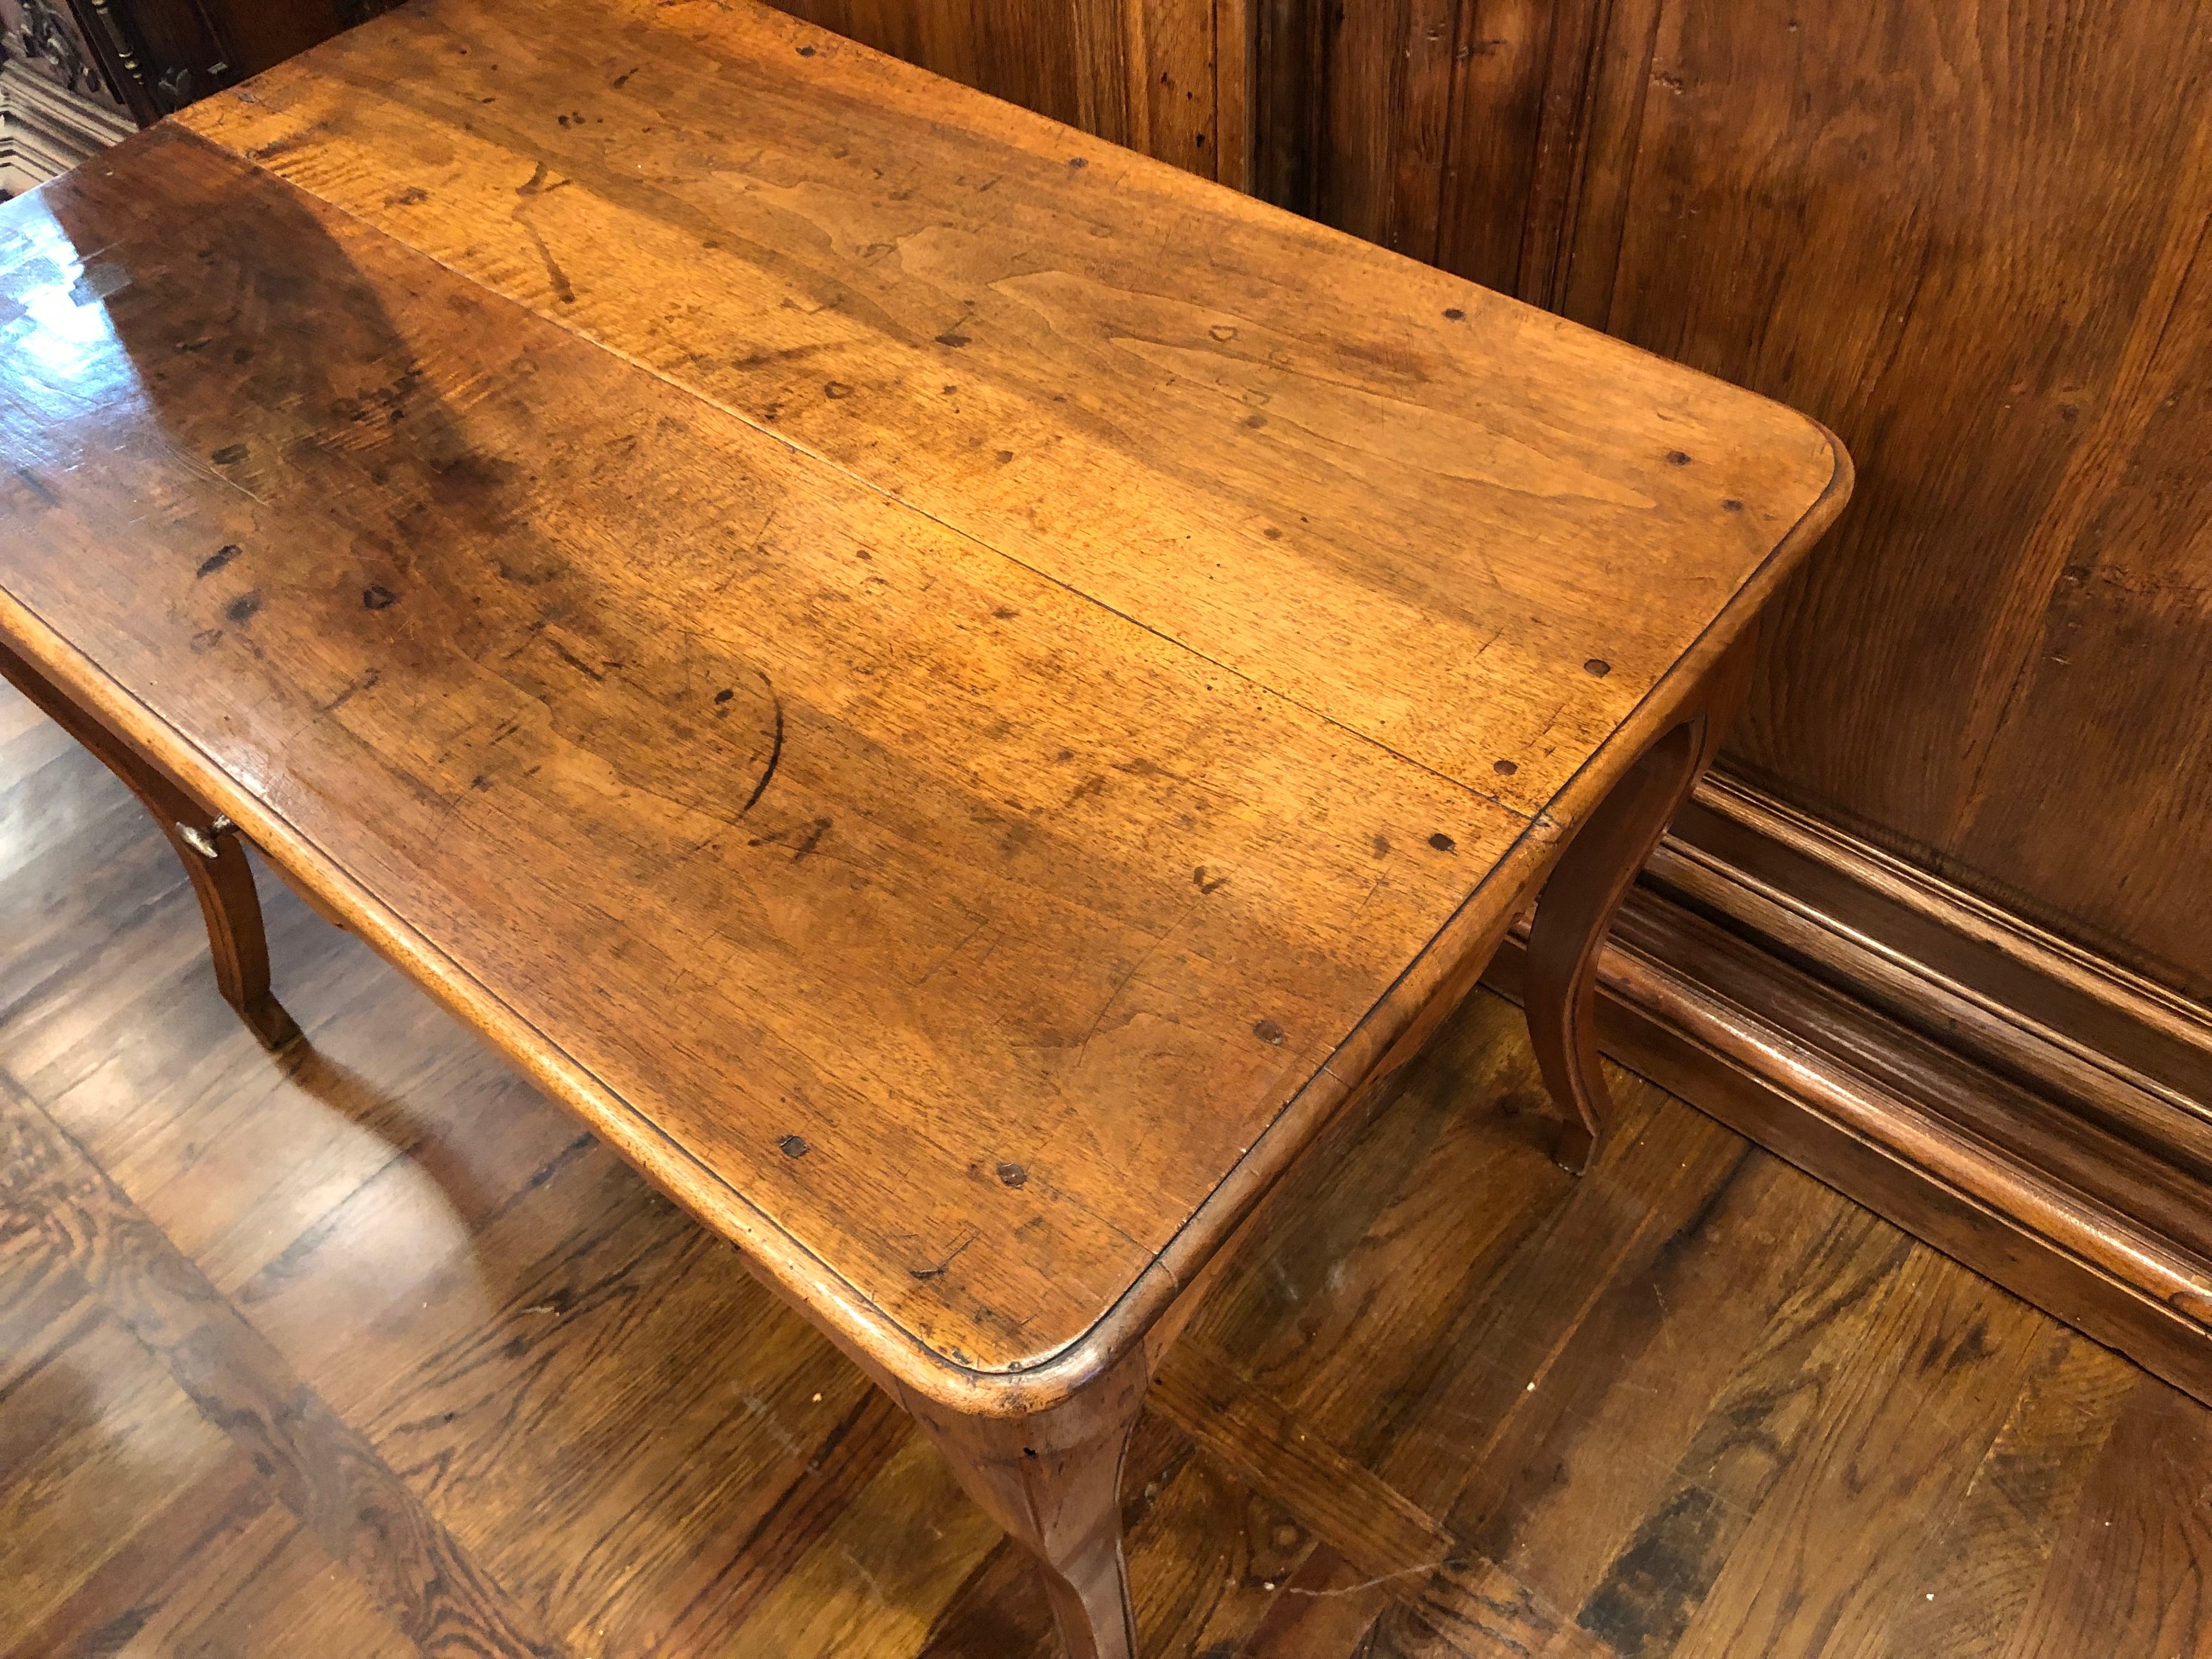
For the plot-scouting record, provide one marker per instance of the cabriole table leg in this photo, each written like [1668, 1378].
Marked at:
[209, 844]
[1053, 1479]
[1585, 890]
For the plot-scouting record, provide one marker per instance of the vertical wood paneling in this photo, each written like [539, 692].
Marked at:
[1967, 238]
[1497, 114]
[1290, 78]
[1233, 23]
[1144, 73]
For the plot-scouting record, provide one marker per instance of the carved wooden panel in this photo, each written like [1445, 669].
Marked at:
[47, 40]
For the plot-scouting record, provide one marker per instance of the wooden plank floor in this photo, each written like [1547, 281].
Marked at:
[363, 1349]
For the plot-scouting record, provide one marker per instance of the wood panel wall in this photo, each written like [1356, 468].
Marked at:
[1164, 76]
[1971, 238]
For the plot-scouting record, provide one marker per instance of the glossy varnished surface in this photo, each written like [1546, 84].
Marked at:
[956, 797]
[280, 1333]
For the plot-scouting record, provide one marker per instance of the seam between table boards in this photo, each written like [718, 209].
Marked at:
[815, 457]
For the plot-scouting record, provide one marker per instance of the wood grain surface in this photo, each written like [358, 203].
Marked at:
[1447, 1401]
[952, 721]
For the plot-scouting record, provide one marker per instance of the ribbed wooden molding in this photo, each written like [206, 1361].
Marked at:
[2042, 1114]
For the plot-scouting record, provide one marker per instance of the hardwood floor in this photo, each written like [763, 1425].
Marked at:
[364, 1349]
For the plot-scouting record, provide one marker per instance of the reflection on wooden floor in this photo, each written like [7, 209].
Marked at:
[363, 1349]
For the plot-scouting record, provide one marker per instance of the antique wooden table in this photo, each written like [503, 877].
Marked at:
[954, 691]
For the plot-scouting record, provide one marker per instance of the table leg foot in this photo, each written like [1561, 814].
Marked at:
[1052, 1480]
[1584, 892]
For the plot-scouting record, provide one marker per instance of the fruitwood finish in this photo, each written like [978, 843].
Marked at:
[361, 1349]
[955, 701]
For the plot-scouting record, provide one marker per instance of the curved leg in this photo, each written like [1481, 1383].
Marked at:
[1053, 1479]
[1584, 891]
[213, 856]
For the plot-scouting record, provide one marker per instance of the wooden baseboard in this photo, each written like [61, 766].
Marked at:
[2042, 1116]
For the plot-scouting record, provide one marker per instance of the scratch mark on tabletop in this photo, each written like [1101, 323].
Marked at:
[533, 186]
[938, 1272]
[366, 682]
[1107, 1008]
[967, 940]
[573, 660]
[199, 468]
[812, 840]
[774, 756]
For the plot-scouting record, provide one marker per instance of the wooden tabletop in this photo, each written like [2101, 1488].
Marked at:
[951, 688]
